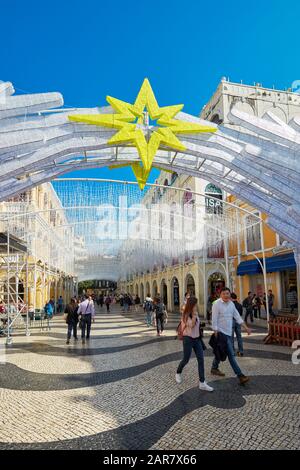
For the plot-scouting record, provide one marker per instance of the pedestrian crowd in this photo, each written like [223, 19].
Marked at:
[251, 306]
[225, 313]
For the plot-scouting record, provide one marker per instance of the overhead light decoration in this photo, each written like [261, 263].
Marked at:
[132, 122]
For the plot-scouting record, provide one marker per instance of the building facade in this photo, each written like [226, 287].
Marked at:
[245, 271]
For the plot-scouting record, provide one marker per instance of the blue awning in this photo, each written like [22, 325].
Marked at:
[281, 263]
[274, 264]
[248, 267]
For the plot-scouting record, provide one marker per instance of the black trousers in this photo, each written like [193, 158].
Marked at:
[72, 326]
[86, 321]
[249, 312]
[159, 323]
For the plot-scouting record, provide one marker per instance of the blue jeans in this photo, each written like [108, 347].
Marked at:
[86, 324]
[148, 318]
[238, 331]
[231, 358]
[190, 344]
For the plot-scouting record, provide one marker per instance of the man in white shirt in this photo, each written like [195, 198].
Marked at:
[87, 311]
[223, 313]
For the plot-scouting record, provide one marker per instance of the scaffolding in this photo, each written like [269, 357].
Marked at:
[14, 259]
[32, 255]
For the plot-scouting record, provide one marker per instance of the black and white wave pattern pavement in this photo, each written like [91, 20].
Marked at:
[118, 392]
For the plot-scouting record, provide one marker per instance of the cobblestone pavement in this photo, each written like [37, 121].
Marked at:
[118, 392]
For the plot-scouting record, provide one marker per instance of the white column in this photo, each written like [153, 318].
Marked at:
[297, 259]
[238, 222]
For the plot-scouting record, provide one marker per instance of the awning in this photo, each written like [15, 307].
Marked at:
[248, 267]
[284, 262]
[281, 263]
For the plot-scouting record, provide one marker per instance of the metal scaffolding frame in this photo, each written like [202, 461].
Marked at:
[22, 259]
[14, 256]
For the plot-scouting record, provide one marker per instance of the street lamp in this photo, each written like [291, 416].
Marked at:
[264, 271]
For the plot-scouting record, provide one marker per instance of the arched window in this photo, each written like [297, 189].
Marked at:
[213, 196]
[173, 178]
[52, 215]
[216, 119]
[189, 208]
[188, 196]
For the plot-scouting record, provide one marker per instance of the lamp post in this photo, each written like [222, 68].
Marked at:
[264, 271]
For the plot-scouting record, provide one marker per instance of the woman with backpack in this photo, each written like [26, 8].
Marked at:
[159, 310]
[189, 331]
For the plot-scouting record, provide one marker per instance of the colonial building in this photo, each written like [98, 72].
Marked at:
[245, 270]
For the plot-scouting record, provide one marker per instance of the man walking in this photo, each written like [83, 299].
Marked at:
[87, 311]
[292, 299]
[148, 308]
[248, 305]
[223, 313]
[107, 303]
[271, 298]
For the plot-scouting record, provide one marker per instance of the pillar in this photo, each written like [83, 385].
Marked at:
[297, 259]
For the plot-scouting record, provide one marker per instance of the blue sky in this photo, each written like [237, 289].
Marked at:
[88, 49]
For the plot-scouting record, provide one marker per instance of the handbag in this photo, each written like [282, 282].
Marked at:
[201, 328]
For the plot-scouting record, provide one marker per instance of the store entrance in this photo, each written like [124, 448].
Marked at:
[288, 280]
[216, 282]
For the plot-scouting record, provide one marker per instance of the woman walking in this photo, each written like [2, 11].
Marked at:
[71, 319]
[159, 310]
[137, 302]
[190, 327]
[107, 303]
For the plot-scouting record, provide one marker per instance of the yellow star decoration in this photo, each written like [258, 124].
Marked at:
[129, 118]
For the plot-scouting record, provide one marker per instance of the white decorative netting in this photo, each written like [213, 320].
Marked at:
[122, 231]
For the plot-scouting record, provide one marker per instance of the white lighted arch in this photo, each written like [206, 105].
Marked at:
[254, 159]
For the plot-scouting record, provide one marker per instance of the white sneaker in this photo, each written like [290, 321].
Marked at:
[178, 378]
[204, 386]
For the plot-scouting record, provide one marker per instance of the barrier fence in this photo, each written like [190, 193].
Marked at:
[283, 330]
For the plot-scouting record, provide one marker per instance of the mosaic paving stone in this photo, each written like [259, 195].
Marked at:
[118, 392]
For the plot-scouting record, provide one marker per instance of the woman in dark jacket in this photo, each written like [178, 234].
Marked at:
[71, 319]
[159, 309]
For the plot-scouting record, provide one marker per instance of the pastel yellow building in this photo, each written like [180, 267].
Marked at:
[245, 270]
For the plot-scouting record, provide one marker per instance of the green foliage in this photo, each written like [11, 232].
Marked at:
[84, 285]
